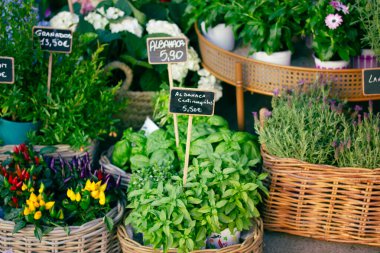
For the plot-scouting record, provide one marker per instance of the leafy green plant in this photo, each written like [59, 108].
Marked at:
[267, 25]
[370, 21]
[222, 190]
[81, 106]
[17, 100]
[333, 29]
[310, 126]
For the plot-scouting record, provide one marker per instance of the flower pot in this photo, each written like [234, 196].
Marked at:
[367, 59]
[279, 58]
[15, 133]
[220, 35]
[331, 64]
[222, 240]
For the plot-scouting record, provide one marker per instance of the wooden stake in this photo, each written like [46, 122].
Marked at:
[70, 3]
[239, 96]
[187, 155]
[175, 118]
[49, 73]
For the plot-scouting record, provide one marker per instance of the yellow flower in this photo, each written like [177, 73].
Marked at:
[37, 215]
[103, 187]
[95, 194]
[32, 208]
[60, 214]
[71, 194]
[42, 188]
[40, 197]
[31, 189]
[97, 185]
[78, 197]
[87, 186]
[24, 187]
[49, 205]
[102, 198]
[26, 211]
[33, 197]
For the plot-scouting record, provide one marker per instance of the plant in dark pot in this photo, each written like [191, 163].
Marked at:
[334, 33]
[210, 15]
[268, 27]
[18, 101]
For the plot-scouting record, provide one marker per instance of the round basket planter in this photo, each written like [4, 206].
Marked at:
[91, 237]
[115, 171]
[252, 244]
[321, 201]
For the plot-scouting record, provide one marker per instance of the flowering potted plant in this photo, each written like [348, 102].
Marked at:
[210, 15]
[334, 34]
[54, 197]
[268, 27]
[18, 101]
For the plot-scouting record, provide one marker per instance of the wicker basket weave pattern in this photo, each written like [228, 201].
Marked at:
[92, 237]
[323, 202]
[252, 244]
[264, 78]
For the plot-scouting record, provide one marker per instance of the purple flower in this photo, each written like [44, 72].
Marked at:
[339, 6]
[276, 92]
[335, 4]
[358, 108]
[359, 119]
[333, 21]
[370, 106]
[267, 113]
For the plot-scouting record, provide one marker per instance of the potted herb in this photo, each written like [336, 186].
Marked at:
[56, 198]
[210, 15]
[335, 36]
[268, 27]
[222, 191]
[18, 115]
[367, 12]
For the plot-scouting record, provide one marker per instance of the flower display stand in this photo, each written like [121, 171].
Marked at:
[247, 74]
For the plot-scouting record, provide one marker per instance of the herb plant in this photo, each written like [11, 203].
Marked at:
[267, 25]
[222, 190]
[312, 127]
[18, 100]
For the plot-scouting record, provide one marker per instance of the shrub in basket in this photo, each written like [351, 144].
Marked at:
[222, 191]
[55, 193]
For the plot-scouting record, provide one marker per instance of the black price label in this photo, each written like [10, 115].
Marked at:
[7, 74]
[54, 40]
[371, 81]
[167, 50]
[192, 102]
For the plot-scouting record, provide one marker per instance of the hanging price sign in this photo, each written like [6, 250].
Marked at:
[167, 50]
[54, 40]
[7, 70]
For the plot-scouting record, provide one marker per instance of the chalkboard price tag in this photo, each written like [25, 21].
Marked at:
[167, 50]
[54, 40]
[371, 81]
[7, 70]
[192, 102]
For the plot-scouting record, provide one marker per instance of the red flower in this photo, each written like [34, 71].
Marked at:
[37, 160]
[13, 188]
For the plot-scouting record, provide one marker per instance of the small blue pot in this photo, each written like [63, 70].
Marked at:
[15, 133]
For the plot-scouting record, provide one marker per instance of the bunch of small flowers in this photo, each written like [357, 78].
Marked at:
[333, 30]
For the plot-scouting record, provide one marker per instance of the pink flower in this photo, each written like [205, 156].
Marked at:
[344, 8]
[335, 4]
[339, 6]
[333, 21]
[87, 5]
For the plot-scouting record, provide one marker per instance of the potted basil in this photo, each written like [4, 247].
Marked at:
[268, 27]
[210, 15]
[18, 101]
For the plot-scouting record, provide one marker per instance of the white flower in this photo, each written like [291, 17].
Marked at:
[193, 60]
[96, 20]
[114, 13]
[101, 11]
[129, 24]
[179, 71]
[209, 82]
[65, 20]
[159, 26]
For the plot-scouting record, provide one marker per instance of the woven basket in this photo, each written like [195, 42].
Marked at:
[140, 103]
[114, 170]
[65, 151]
[264, 78]
[92, 237]
[252, 244]
[321, 201]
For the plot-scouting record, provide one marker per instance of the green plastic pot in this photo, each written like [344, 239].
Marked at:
[15, 133]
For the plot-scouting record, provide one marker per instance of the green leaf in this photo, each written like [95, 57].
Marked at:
[162, 216]
[189, 244]
[228, 193]
[262, 176]
[201, 235]
[229, 171]
[67, 230]
[18, 226]
[224, 218]
[204, 209]
[38, 233]
[124, 6]
[121, 153]
[221, 203]
[139, 162]
[46, 230]
[109, 223]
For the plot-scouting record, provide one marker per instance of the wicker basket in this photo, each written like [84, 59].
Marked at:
[115, 171]
[92, 237]
[252, 244]
[321, 201]
[140, 103]
[264, 78]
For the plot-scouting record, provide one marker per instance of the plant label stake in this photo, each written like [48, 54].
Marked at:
[371, 81]
[70, 4]
[7, 70]
[54, 41]
[168, 50]
[191, 102]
